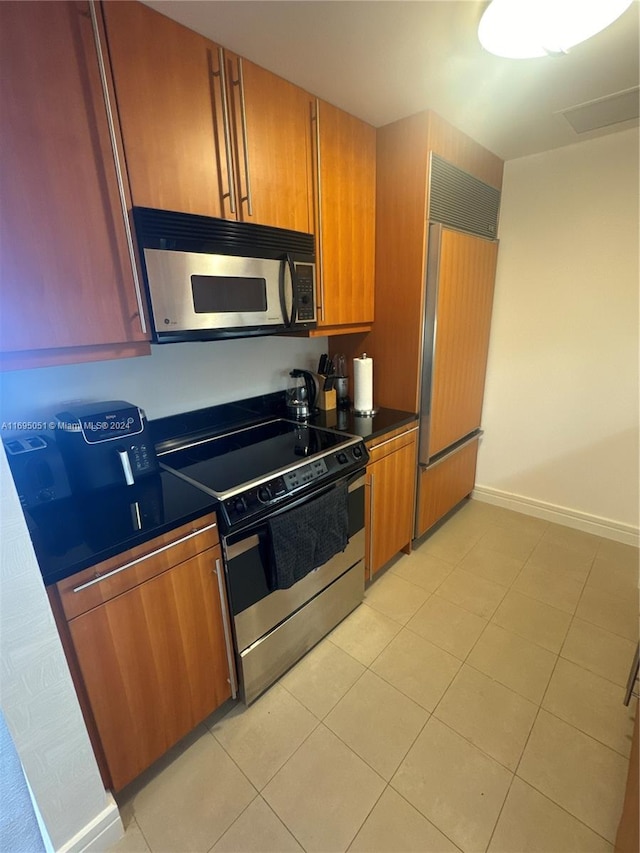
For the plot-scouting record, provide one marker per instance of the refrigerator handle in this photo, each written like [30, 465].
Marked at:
[429, 331]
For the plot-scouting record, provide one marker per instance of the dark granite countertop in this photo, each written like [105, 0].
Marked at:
[72, 534]
[345, 420]
[77, 532]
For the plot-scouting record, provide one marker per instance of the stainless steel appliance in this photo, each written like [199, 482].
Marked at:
[292, 528]
[105, 444]
[461, 264]
[212, 278]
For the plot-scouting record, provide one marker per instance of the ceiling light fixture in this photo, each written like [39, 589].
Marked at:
[520, 29]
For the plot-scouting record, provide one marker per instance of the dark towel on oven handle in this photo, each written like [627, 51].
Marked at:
[305, 538]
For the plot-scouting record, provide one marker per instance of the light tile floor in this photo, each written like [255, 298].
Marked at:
[473, 702]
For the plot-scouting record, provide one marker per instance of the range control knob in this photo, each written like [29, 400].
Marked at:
[240, 506]
[342, 458]
[264, 494]
[357, 452]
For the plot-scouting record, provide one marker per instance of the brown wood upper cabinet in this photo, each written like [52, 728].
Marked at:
[69, 287]
[345, 172]
[205, 131]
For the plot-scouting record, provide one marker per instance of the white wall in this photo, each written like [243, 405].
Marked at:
[175, 378]
[561, 402]
[38, 698]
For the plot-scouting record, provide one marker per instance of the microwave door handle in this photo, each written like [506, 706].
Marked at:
[294, 290]
[287, 318]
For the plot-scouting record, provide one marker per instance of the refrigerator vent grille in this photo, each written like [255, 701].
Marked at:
[462, 201]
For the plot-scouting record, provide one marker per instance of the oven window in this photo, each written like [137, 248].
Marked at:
[225, 294]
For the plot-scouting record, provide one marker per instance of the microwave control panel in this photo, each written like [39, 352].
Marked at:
[304, 287]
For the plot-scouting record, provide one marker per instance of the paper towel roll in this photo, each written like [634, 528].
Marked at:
[363, 384]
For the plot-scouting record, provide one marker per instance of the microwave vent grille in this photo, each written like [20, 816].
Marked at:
[460, 200]
[165, 229]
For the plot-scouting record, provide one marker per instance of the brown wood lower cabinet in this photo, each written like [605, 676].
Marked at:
[391, 477]
[151, 662]
[444, 484]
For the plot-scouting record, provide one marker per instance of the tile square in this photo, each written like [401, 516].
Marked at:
[614, 614]
[257, 830]
[513, 661]
[454, 785]
[576, 772]
[364, 634]
[575, 540]
[324, 793]
[561, 560]
[449, 545]
[453, 629]
[473, 593]
[322, 677]
[417, 668]
[262, 737]
[422, 569]
[132, 841]
[531, 823]
[394, 825]
[615, 570]
[193, 800]
[513, 541]
[599, 651]
[591, 704]
[378, 722]
[492, 565]
[489, 715]
[395, 597]
[549, 587]
[532, 619]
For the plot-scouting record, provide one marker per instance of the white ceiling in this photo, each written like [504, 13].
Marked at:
[385, 59]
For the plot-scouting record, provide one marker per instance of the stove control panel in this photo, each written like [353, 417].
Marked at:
[269, 493]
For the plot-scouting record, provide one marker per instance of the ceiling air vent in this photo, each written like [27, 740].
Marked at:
[603, 112]
[458, 199]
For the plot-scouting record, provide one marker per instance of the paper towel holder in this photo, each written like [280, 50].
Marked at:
[363, 413]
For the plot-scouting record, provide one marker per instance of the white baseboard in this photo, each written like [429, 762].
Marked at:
[98, 835]
[604, 527]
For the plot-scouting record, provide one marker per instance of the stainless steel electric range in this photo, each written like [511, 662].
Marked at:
[291, 517]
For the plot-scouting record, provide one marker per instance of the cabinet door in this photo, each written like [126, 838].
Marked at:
[272, 135]
[168, 101]
[466, 280]
[346, 184]
[154, 664]
[442, 486]
[392, 500]
[67, 278]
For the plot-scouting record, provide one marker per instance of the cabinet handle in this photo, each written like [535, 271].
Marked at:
[394, 438]
[145, 557]
[222, 73]
[316, 118]
[116, 159]
[371, 498]
[245, 139]
[225, 626]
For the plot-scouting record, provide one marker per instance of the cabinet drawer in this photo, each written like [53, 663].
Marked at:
[112, 577]
[443, 485]
[391, 441]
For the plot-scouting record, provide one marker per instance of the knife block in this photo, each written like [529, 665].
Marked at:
[327, 400]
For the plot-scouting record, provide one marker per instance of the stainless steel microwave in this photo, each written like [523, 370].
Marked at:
[212, 278]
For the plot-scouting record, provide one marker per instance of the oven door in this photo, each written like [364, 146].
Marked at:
[275, 628]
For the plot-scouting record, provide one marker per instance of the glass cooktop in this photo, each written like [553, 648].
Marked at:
[224, 463]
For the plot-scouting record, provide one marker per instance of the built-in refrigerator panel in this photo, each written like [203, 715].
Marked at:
[460, 280]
